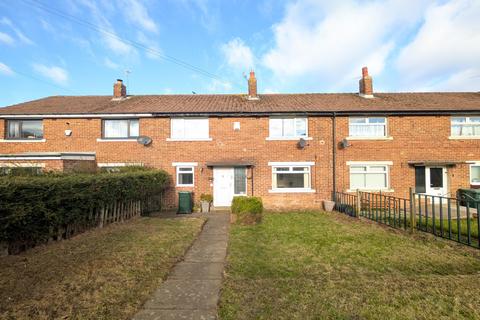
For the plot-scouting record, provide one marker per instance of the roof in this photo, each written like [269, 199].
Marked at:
[231, 103]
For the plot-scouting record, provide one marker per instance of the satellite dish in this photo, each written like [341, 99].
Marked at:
[144, 140]
[344, 144]
[302, 143]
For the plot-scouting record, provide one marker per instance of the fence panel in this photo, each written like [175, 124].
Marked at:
[451, 218]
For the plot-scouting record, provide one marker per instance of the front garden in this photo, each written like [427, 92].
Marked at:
[316, 265]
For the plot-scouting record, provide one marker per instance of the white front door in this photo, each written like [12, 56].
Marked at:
[223, 186]
[436, 181]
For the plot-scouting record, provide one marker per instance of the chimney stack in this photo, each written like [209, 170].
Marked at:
[366, 84]
[252, 86]
[119, 90]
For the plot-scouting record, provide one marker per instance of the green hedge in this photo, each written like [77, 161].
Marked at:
[248, 209]
[34, 209]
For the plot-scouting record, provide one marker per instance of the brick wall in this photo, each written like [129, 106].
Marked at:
[414, 138]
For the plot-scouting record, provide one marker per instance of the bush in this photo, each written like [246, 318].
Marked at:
[248, 209]
[38, 208]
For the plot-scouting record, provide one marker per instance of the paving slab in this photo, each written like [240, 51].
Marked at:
[192, 289]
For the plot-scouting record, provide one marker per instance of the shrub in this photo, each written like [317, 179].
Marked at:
[248, 209]
[38, 208]
[206, 197]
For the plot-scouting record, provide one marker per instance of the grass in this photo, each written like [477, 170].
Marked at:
[101, 274]
[315, 265]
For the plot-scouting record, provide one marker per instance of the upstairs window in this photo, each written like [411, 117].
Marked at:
[24, 129]
[121, 129]
[189, 129]
[288, 128]
[465, 126]
[368, 127]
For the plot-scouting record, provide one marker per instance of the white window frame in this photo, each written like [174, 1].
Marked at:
[283, 137]
[290, 165]
[467, 122]
[128, 137]
[477, 164]
[184, 138]
[178, 165]
[367, 123]
[368, 164]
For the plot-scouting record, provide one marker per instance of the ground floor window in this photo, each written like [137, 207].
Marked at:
[291, 177]
[184, 176]
[475, 174]
[368, 177]
[20, 171]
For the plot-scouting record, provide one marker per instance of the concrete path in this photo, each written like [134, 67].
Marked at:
[192, 290]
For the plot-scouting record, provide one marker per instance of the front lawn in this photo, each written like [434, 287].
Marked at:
[101, 274]
[329, 266]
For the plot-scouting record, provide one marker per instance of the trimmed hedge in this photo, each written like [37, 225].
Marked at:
[248, 209]
[40, 208]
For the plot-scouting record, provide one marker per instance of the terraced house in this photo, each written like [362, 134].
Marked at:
[290, 149]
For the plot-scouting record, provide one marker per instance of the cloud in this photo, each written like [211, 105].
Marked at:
[444, 54]
[136, 13]
[6, 39]
[22, 37]
[219, 86]
[110, 64]
[208, 12]
[5, 70]
[328, 41]
[54, 73]
[238, 55]
[153, 50]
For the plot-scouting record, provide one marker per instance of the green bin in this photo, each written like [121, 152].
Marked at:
[185, 202]
[472, 196]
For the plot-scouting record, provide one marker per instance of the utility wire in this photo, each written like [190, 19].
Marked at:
[26, 75]
[133, 43]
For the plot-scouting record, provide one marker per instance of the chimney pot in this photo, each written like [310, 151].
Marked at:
[119, 90]
[366, 84]
[252, 86]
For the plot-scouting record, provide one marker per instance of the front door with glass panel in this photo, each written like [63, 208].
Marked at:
[431, 180]
[227, 183]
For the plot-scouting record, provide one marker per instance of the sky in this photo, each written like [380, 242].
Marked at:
[80, 47]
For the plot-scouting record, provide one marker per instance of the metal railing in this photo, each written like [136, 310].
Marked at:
[451, 218]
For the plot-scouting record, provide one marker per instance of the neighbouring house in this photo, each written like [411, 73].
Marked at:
[290, 149]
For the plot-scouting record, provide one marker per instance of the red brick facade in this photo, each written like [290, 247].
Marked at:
[413, 138]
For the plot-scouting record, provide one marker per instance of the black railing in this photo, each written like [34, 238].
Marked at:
[455, 219]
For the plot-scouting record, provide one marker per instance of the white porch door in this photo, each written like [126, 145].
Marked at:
[436, 181]
[223, 186]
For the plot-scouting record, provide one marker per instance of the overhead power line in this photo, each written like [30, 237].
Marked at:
[132, 43]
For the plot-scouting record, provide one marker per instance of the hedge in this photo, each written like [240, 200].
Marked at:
[40, 208]
[248, 209]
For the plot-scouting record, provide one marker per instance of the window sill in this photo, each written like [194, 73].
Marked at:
[368, 138]
[185, 186]
[287, 138]
[464, 137]
[117, 140]
[292, 190]
[23, 140]
[203, 139]
[370, 190]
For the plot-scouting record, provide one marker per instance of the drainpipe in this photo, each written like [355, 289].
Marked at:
[334, 154]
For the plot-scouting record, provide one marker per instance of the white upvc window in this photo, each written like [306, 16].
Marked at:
[189, 129]
[369, 177]
[121, 129]
[288, 128]
[185, 176]
[465, 126]
[291, 177]
[368, 127]
[475, 174]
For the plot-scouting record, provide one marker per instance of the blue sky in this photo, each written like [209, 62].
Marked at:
[294, 46]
